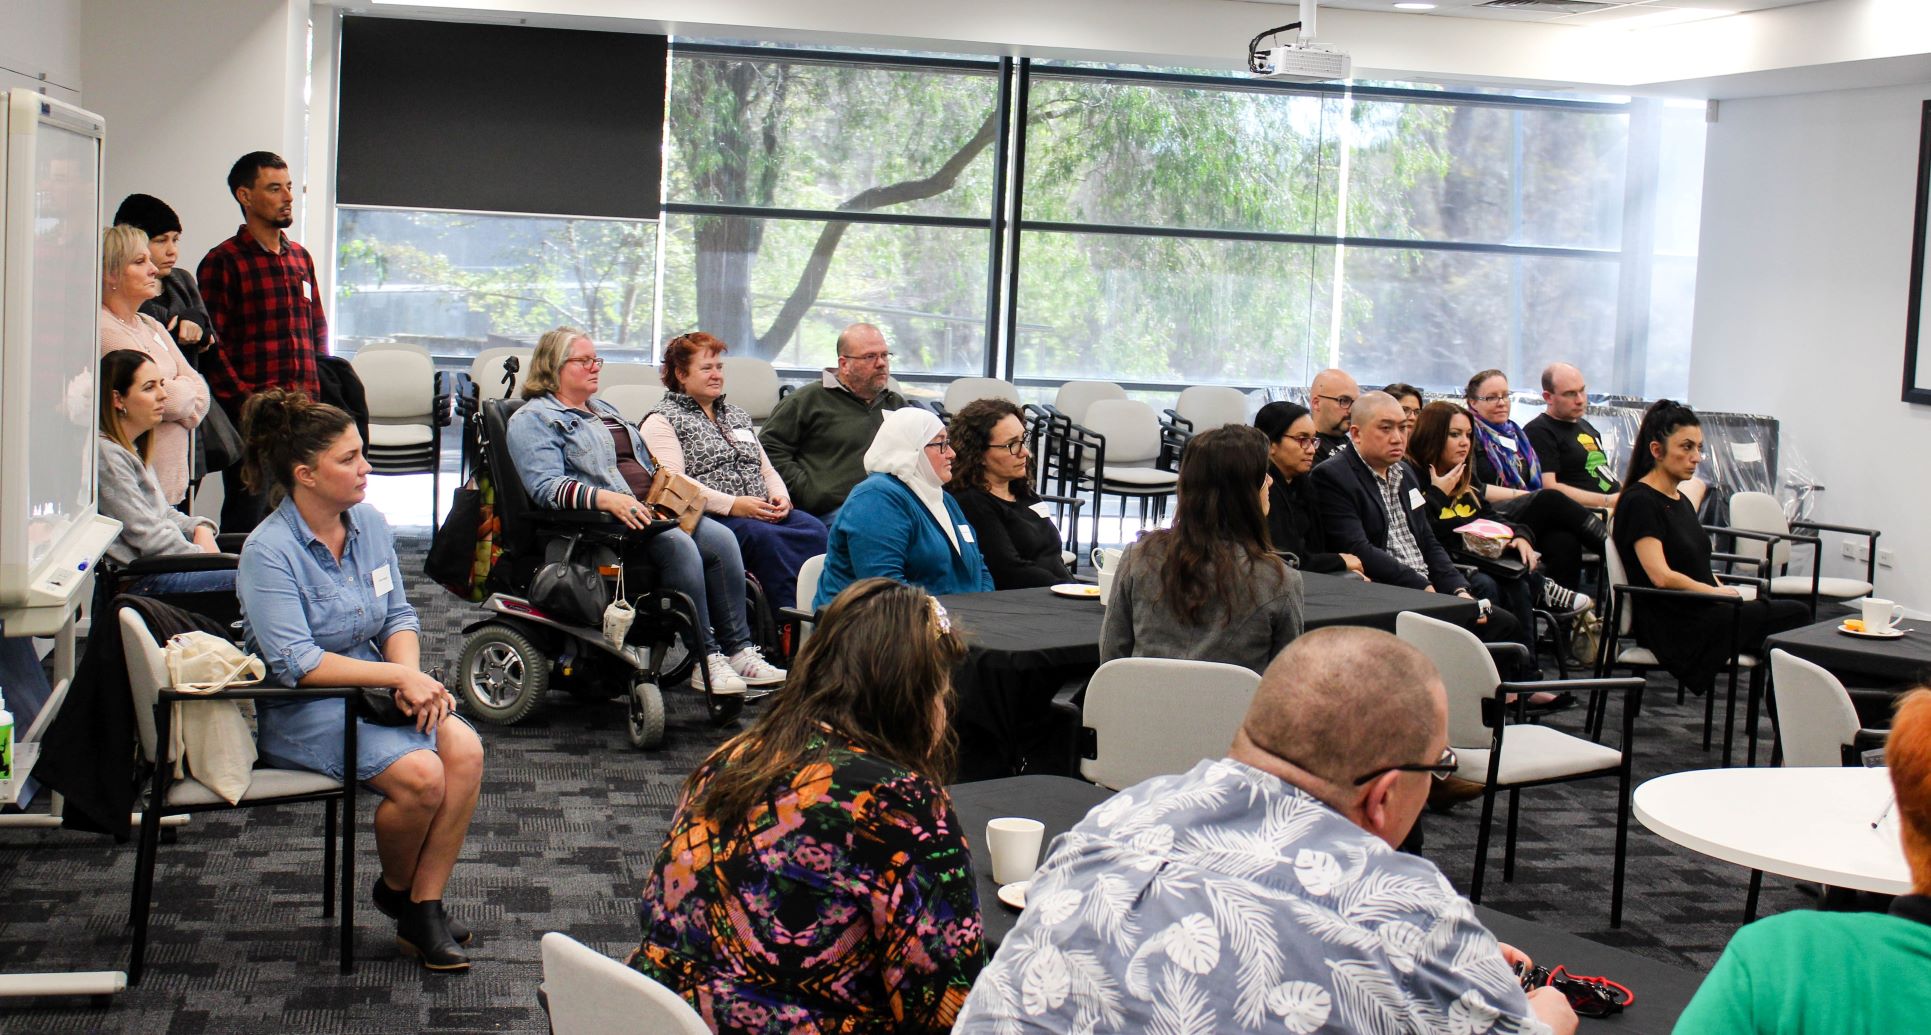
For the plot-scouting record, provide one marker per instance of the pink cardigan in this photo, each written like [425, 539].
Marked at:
[187, 397]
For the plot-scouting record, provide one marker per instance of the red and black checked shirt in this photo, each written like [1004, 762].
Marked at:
[267, 312]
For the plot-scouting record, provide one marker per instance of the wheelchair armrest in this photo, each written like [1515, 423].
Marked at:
[1866, 740]
[179, 562]
[263, 692]
[796, 616]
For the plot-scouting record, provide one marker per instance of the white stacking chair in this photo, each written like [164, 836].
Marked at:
[1205, 407]
[406, 414]
[800, 615]
[1124, 451]
[632, 400]
[1817, 724]
[1760, 512]
[1150, 717]
[1075, 397]
[591, 994]
[971, 389]
[615, 374]
[751, 383]
[1503, 756]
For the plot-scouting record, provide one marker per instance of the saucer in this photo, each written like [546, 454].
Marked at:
[1888, 634]
[1077, 590]
[1014, 894]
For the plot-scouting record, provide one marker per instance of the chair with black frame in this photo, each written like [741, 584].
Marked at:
[1760, 512]
[510, 656]
[155, 702]
[1121, 450]
[1619, 625]
[1511, 756]
[409, 405]
[1204, 408]
[1129, 729]
[111, 580]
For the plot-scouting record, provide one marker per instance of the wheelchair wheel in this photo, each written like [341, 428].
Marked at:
[645, 719]
[502, 674]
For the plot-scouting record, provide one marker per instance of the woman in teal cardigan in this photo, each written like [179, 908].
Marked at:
[899, 523]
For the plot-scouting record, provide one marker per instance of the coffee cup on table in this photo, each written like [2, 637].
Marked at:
[1881, 615]
[1014, 844]
[1106, 562]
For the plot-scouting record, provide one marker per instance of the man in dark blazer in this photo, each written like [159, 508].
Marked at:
[1371, 505]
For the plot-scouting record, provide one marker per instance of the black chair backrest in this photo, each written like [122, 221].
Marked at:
[514, 511]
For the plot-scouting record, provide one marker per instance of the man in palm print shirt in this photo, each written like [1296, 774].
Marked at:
[1261, 892]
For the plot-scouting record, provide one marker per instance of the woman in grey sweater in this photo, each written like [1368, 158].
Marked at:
[133, 400]
[1210, 588]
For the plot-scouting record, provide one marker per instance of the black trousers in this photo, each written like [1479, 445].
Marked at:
[1560, 526]
[241, 510]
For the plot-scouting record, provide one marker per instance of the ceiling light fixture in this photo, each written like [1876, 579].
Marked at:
[1413, 5]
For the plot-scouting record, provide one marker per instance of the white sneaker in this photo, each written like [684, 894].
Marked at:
[723, 680]
[749, 663]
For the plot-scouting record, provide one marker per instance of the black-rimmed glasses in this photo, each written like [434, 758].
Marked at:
[1346, 402]
[1442, 769]
[1013, 448]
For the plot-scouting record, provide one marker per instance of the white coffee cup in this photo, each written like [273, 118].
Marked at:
[1106, 563]
[1881, 614]
[1014, 843]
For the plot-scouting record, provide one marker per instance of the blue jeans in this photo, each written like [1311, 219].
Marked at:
[707, 567]
[168, 583]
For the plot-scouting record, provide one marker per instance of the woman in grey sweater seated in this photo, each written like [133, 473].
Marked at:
[133, 400]
[1210, 588]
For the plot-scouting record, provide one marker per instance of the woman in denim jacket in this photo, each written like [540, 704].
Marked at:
[575, 452]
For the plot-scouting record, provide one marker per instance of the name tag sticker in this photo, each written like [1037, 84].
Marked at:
[381, 582]
[1506, 442]
[1043, 509]
[965, 534]
[745, 435]
[305, 292]
[1415, 499]
[1746, 452]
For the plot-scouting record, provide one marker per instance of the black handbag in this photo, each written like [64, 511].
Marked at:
[376, 705]
[571, 589]
[451, 560]
[217, 445]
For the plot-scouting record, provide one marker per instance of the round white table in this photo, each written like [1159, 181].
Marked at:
[1805, 823]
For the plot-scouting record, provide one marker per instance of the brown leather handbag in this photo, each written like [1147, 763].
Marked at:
[675, 497]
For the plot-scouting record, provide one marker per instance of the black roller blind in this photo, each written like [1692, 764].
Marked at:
[496, 118]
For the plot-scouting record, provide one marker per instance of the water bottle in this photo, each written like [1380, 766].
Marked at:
[6, 741]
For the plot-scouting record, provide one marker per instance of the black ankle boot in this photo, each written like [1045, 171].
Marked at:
[423, 931]
[394, 903]
[1594, 530]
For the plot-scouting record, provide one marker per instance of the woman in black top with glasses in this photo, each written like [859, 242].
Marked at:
[1293, 526]
[992, 482]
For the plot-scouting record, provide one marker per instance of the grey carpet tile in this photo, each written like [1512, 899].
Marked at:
[570, 820]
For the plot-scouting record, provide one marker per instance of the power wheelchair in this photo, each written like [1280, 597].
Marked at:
[513, 655]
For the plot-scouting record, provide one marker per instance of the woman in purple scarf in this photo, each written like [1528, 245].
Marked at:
[1510, 479]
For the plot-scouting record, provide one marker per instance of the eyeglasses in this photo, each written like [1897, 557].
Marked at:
[1014, 448]
[872, 357]
[1441, 770]
[591, 363]
[1412, 411]
[943, 445]
[1490, 399]
[1346, 402]
[1304, 441]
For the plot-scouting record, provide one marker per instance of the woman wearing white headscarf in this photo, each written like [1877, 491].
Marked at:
[899, 523]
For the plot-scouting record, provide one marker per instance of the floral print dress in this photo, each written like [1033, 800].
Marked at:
[844, 904]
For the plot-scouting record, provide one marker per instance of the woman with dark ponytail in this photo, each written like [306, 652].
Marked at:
[1663, 545]
[323, 603]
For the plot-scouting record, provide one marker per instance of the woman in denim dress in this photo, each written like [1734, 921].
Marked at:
[323, 604]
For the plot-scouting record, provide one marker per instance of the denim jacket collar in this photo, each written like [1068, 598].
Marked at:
[306, 535]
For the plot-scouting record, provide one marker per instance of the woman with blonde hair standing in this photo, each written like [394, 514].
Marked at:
[129, 279]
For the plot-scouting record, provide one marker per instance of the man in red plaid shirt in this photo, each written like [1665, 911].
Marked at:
[267, 310]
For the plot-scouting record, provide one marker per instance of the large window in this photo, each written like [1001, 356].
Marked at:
[768, 150]
[1072, 221]
[459, 282]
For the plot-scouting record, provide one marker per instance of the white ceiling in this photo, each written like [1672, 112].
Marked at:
[1629, 14]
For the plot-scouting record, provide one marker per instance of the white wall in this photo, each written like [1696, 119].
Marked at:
[40, 47]
[1801, 300]
[187, 87]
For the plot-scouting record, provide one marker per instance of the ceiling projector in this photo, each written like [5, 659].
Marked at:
[1299, 63]
[1302, 61]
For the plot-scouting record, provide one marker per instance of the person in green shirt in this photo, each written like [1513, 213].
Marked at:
[1811, 971]
[818, 435]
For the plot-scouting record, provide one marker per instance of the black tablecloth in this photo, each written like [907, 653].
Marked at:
[1662, 991]
[1854, 659]
[1339, 600]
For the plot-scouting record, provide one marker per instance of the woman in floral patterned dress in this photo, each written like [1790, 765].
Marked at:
[815, 879]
